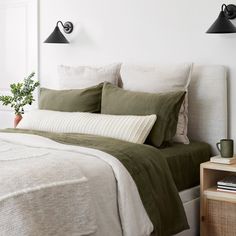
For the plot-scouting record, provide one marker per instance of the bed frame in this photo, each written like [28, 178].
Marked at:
[207, 122]
[208, 119]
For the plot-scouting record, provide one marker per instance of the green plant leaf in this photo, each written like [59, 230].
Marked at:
[22, 94]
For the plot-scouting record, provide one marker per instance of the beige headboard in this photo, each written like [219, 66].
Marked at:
[208, 104]
[207, 97]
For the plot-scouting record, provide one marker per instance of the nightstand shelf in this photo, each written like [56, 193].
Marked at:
[214, 194]
[218, 208]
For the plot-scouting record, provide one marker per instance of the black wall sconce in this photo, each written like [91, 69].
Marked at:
[223, 25]
[56, 36]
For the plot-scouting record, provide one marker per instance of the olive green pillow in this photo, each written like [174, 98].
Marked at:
[166, 106]
[74, 100]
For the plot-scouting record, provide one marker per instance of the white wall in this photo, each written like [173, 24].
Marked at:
[18, 47]
[137, 31]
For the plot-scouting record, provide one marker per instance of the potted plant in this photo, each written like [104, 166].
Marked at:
[22, 95]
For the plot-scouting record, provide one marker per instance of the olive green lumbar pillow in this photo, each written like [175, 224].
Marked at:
[73, 100]
[166, 106]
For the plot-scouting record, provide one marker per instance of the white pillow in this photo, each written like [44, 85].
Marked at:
[161, 78]
[133, 129]
[81, 77]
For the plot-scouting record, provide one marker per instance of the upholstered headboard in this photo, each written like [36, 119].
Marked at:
[208, 104]
[207, 95]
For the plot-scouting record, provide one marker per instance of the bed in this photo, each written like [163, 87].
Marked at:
[111, 200]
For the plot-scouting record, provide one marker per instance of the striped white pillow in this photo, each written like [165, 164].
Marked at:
[133, 129]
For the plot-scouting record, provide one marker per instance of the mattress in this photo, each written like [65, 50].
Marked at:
[184, 162]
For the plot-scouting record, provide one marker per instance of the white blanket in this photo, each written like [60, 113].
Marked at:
[49, 188]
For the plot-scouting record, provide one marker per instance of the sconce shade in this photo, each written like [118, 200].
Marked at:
[56, 37]
[222, 25]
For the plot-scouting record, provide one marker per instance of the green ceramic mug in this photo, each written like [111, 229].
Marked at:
[226, 147]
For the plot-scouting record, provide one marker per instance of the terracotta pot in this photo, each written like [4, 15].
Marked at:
[17, 119]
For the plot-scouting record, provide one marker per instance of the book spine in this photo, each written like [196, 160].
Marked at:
[226, 190]
[226, 184]
[226, 187]
[221, 162]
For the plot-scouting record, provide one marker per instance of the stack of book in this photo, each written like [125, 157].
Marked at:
[227, 184]
[222, 160]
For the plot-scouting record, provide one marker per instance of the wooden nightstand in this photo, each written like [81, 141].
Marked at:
[218, 209]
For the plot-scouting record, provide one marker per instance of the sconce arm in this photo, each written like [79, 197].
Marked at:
[224, 6]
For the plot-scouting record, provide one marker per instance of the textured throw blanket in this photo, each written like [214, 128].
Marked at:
[48, 189]
[148, 169]
[39, 189]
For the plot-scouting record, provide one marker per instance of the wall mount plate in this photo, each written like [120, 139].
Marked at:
[68, 27]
